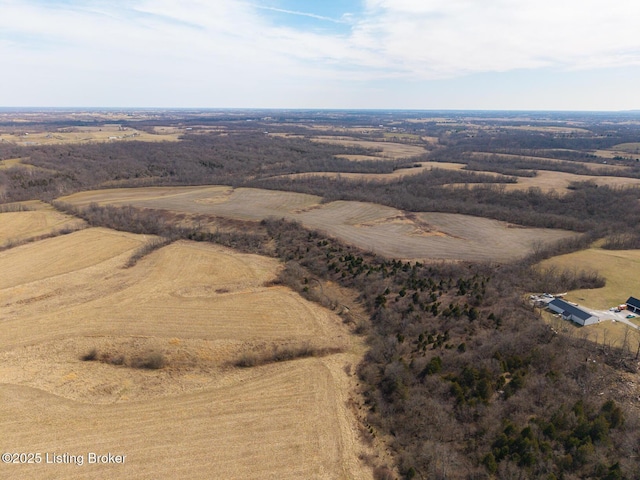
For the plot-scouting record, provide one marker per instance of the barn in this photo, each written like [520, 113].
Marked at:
[633, 304]
[571, 312]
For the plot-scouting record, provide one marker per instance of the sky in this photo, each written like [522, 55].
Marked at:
[333, 54]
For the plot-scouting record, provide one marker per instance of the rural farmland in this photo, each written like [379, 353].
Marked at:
[381, 229]
[201, 308]
[312, 294]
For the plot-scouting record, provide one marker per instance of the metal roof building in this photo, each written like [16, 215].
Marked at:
[573, 313]
[633, 304]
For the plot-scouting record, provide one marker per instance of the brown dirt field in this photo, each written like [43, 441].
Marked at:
[389, 149]
[384, 230]
[19, 226]
[200, 306]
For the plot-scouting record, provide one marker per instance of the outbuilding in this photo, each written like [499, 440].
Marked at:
[633, 304]
[571, 312]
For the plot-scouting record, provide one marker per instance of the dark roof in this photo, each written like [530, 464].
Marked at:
[572, 309]
[634, 302]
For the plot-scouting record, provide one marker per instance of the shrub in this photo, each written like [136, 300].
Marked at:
[90, 356]
[151, 361]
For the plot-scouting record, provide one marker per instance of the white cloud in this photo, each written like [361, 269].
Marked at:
[226, 52]
[436, 38]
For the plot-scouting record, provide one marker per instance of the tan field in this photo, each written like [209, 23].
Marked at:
[43, 220]
[199, 306]
[590, 166]
[104, 133]
[545, 180]
[633, 148]
[396, 174]
[14, 162]
[384, 230]
[559, 182]
[540, 128]
[608, 154]
[387, 149]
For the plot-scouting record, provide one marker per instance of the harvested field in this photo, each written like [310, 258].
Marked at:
[399, 173]
[548, 181]
[386, 149]
[618, 267]
[63, 254]
[199, 306]
[384, 230]
[44, 220]
[591, 166]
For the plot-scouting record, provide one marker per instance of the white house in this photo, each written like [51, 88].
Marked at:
[571, 312]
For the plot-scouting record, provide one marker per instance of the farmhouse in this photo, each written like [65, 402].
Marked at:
[571, 312]
[633, 304]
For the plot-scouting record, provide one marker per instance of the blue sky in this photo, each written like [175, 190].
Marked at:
[406, 54]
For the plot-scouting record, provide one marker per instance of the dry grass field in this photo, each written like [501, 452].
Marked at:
[42, 220]
[15, 162]
[104, 133]
[384, 230]
[200, 307]
[619, 267]
[633, 148]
